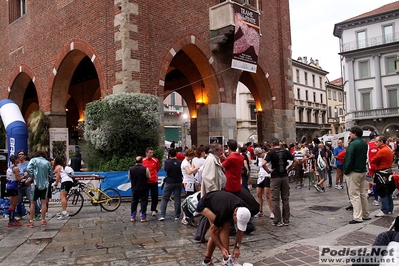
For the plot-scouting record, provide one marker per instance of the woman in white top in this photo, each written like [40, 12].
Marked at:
[63, 176]
[198, 161]
[188, 172]
[263, 184]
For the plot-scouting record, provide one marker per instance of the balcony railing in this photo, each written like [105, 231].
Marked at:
[377, 113]
[370, 42]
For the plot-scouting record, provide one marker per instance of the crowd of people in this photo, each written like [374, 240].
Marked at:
[216, 182]
[36, 179]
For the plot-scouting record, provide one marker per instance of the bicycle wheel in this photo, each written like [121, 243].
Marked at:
[74, 203]
[112, 198]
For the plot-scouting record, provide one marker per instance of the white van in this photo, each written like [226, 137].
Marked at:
[345, 135]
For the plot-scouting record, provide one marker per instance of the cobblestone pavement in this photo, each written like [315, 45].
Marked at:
[95, 237]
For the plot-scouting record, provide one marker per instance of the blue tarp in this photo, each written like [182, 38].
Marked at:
[120, 181]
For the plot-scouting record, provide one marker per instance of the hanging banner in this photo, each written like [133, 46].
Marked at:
[59, 143]
[246, 39]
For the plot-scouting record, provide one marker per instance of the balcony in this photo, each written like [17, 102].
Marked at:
[221, 19]
[315, 126]
[172, 109]
[370, 42]
[376, 113]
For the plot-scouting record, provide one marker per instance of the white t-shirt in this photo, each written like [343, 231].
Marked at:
[186, 177]
[65, 172]
[198, 162]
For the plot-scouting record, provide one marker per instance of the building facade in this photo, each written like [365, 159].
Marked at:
[60, 55]
[336, 106]
[369, 44]
[310, 99]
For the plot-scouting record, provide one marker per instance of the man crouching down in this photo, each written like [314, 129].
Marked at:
[220, 207]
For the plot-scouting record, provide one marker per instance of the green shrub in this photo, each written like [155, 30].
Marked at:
[118, 128]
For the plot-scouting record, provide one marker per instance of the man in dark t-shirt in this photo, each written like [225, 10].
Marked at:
[220, 207]
[279, 184]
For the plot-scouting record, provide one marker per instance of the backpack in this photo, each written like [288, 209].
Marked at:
[333, 161]
[320, 162]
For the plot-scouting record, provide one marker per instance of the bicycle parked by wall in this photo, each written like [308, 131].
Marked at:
[109, 199]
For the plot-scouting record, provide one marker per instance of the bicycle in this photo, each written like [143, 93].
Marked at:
[109, 199]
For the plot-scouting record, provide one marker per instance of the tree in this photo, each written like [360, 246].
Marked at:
[38, 127]
[119, 127]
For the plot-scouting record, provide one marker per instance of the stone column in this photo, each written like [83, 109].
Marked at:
[378, 86]
[351, 101]
[222, 120]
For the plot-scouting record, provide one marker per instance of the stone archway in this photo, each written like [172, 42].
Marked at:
[77, 80]
[191, 74]
[23, 91]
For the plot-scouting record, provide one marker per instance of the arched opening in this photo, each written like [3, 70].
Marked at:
[76, 84]
[23, 93]
[190, 76]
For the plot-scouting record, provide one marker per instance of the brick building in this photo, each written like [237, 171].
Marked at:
[59, 55]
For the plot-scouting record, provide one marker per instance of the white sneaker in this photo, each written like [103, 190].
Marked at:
[154, 213]
[63, 216]
[376, 203]
[162, 219]
[271, 215]
[380, 214]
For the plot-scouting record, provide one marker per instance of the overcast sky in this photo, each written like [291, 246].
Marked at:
[312, 25]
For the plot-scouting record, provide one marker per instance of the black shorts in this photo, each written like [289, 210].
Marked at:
[42, 194]
[264, 183]
[66, 186]
[12, 192]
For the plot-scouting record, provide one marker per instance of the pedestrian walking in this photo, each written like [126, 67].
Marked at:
[139, 176]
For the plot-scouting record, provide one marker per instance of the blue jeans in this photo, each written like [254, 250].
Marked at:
[25, 191]
[386, 203]
[167, 191]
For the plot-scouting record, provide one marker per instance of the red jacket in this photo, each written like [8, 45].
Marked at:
[383, 158]
[152, 165]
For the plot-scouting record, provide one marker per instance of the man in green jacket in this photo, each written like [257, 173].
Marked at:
[355, 172]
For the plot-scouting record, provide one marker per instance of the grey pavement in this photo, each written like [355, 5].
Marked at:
[96, 237]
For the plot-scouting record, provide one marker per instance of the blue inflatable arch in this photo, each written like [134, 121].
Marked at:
[16, 129]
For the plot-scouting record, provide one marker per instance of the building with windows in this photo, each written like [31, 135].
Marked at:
[336, 106]
[310, 99]
[369, 44]
[82, 51]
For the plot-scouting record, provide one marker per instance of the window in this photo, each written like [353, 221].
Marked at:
[252, 111]
[173, 98]
[298, 93]
[314, 97]
[313, 80]
[16, 9]
[330, 111]
[363, 69]
[300, 115]
[341, 111]
[334, 95]
[388, 33]
[340, 96]
[306, 78]
[306, 96]
[321, 82]
[297, 76]
[321, 98]
[329, 94]
[361, 39]
[366, 101]
[392, 98]
[390, 65]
